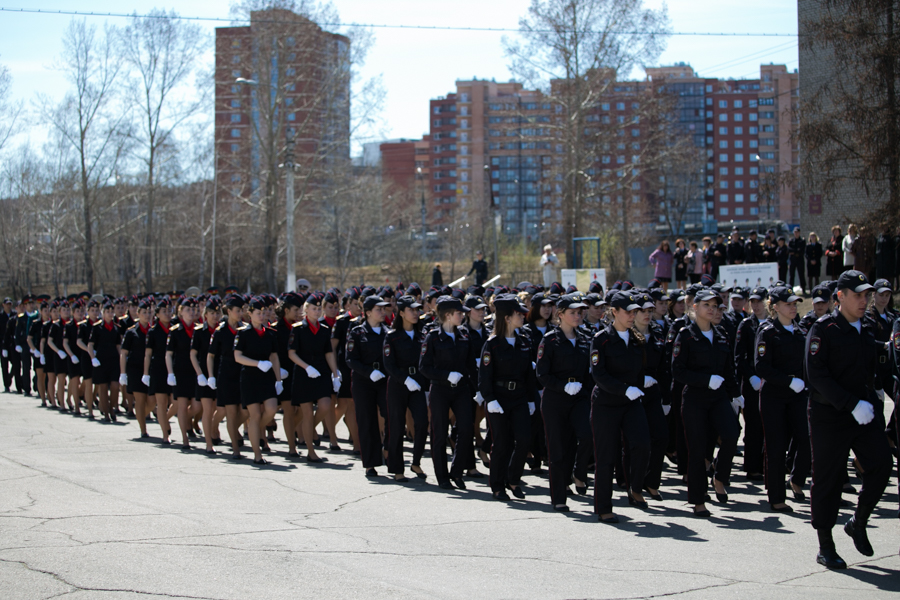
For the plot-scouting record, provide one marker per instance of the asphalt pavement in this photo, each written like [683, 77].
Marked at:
[89, 510]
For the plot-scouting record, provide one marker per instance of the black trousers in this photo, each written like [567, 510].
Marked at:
[7, 372]
[369, 398]
[700, 417]
[783, 418]
[399, 399]
[676, 441]
[15, 369]
[569, 440]
[833, 434]
[609, 425]
[754, 457]
[25, 363]
[659, 439]
[798, 266]
[512, 433]
[443, 399]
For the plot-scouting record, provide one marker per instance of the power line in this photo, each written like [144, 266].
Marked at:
[78, 13]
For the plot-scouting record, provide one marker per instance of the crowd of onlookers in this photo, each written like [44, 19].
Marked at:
[797, 257]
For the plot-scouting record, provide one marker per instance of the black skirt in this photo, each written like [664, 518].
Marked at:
[158, 383]
[135, 384]
[228, 393]
[257, 387]
[305, 390]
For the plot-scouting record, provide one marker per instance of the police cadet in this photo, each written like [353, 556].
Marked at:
[181, 377]
[701, 360]
[131, 364]
[87, 369]
[155, 373]
[744, 351]
[15, 357]
[780, 346]
[70, 346]
[508, 387]
[821, 299]
[289, 311]
[478, 330]
[845, 414]
[882, 319]
[365, 344]
[200, 343]
[617, 367]
[563, 367]
[59, 356]
[405, 388]
[103, 348]
[342, 326]
[225, 374]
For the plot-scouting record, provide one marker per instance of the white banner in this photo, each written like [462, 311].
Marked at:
[582, 278]
[749, 276]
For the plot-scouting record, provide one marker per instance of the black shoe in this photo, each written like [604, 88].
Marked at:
[608, 520]
[581, 490]
[501, 495]
[783, 509]
[186, 448]
[420, 474]
[829, 559]
[371, 473]
[191, 433]
[634, 502]
[657, 496]
[849, 489]
[560, 508]
[145, 435]
[860, 539]
[445, 485]
[106, 419]
[459, 483]
[475, 475]
[723, 498]
[517, 492]
[293, 455]
[114, 419]
[316, 460]
[334, 448]
[91, 418]
[260, 462]
[217, 441]
[211, 451]
[401, 479]
[702, 513]
[236, 457]
[799, 496]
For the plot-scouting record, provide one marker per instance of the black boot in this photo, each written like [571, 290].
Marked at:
[828, 556]
[856, 529]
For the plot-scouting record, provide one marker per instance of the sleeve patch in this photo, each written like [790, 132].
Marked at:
[486, 359]
[595, 357]
[814, 344]
[761, 349]
[671, 336]
[387, 349]
[350, 345]
[540, 353]
[676, 350]
[424, 348]
[897, 341]
[737, 337]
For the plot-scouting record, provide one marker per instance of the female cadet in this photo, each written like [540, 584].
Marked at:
[104, 348]
[563, 367]
[478, 332]
[345, 404]
[749, 381]
[155, 373]
[35, 340]
[70, 346]
[256, 350]
[617, 367]
[448, 361]
[181, 377]
[402, 347]
[701, 361]
[312, 355]
[780, 349]
[225, 374]
[508, 387]
[538, 322]
[289, 311]
[87, 369]
[365, 344]
[656, 385]
[131, 364]
[200, 342]
[59, 356]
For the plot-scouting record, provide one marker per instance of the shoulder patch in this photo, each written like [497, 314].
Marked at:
[671, 337]
[350, 345]
[424, 349]
[540, 353]
[595, 357]
[897, 341]
[761, 349]
[814, 344]
[387, 349]
[486, 358]
[676, 350]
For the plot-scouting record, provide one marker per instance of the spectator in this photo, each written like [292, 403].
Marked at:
[662, 259]
[769, 247]
[679, 259]
[718, 254]
[781, 257]
[886, 255]
[479, 267]
[437, 277]
[735, 249]
[695, 263]
[863, 248]
[752, 249]
[834, 265]
[707, 253]
[549, 264]
[847, 247]
[797, 251]
[814, 254]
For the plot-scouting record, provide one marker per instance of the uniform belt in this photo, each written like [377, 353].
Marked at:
[507, 385]
[412, 370]
[573, 380]
[376, 366]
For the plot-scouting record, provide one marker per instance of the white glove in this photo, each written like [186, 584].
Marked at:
[5, 354]
[19, 349]
[494, 407]
[797, 385]
[737, 404]
[412, 385]
[633, 393]
[43, 359]
[531, 408]
[649, 381]
[61, 354]
[211, 382]
[755, 383]
[479, 399]
[572, 388]
[284, 374]
[36, 353]
[123, 379]
[864, 412]
[202, 381]
[170, 380]
[667, 408]
[376, 376]
[279, 388]
[263, 365]
[454, 377]
[880, 394]
[715, 382]
[145, 379]
[312, 372]
[75, 360]
[336, 383]
[95, 362]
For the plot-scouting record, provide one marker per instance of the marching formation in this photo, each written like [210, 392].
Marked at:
[616, 381]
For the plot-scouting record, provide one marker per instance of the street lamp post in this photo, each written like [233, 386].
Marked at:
[289, 215]
[424, 212]
[493, 214]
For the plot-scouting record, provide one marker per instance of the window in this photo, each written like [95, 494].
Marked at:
[767, 155]
[709, 101]
[620, 159]
[754, 170]
[709, 89]
[620, 106]
[739, 170]
[288, 101]
[604, 106]
[768, 142]
[235, 178]
[635, 132]
[709, 126]
[753, 198]
[464, 97]
[723, 131]
[636, 185]
[292, 116]
[723, 211]
[709, 140]
[754, 143]
[605, 160]
[635, 106]
[723, 103]
[754, 210]
[290, 72]
[739, 184]
[723, 185]
[752, 103]
[724, 170]
[292, 56]
[738, 211]
[620, 119]
[236, 73]
[235, 43]
[769, 169]
[709, 114]
[768, 128]
[738, 131]
[738, 117]
[235, 104]
[464, 124]
[766, 101]
[723, 158]
[738, 144]
[723, 116]
[723, 143]
[235, 118]
[235, 147]
[235, 133]
[738, 158]
[234, 89]
[753, 130]
[723, 197]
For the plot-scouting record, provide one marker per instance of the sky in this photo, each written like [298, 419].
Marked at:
[415, 66]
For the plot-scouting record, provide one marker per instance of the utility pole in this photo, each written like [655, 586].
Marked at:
[424, 212]
[212, 268]
[493, 217]
[289, 214]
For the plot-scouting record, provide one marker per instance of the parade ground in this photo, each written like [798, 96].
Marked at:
[88, 510]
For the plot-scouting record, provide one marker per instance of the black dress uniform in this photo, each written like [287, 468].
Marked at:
[779, 359]
[201, 342]
[365, 349]
[694, 361]
[84, 335]
[442, 354]
[179, 344]
[617, 366]
[57, 333]
[6, 354]
[840, 366]
[676, 442]
[106, 340]
[157, 338]
[71, 335]
[15, 358]
[744, 352]
[256, 344]
[561, 361]
[135, 344]
[312, 343]
[226, 371]
[401, 361]
[342, 327]
[283, 335]
[655, 397]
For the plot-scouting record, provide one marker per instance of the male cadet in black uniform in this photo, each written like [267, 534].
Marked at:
[479, 267]
[797, 250]
[845, 414]
[5, 314]
[753, 251]
[24, 322]
[735, 248]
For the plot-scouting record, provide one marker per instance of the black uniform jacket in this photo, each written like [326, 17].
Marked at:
[506, 373]
[401, 355]
[442, 354]
[365, 348]
[615, 366]
[779, 356]
[695, 360]
[559, 362]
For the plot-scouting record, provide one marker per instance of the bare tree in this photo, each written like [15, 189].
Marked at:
[9, 110]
